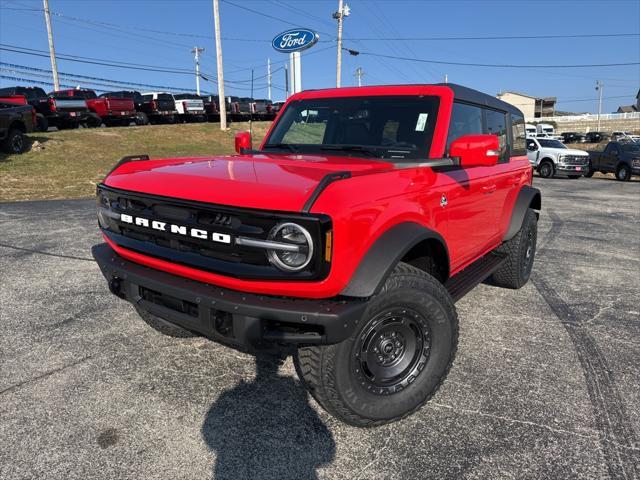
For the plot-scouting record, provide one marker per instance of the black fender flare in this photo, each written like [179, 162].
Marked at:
[385, 253]
[528, 197]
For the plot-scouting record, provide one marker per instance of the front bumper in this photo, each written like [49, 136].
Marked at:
[246, 320]
[572, 169]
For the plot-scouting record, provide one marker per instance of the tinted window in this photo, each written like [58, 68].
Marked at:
[496, 124]
[519, 134]
[465, 120]
[147, 98]
[164, 96]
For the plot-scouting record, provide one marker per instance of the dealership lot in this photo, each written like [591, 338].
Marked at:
[545, 383]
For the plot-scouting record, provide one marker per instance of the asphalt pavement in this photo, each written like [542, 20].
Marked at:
[546, 383]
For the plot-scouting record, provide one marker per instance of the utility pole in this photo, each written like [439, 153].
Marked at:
[221, 98]
[269, 78]
[599, 88]
[196, 52]
[52, 50]
[359, 74]
[343, 11]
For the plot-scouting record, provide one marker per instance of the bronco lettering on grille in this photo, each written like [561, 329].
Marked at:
[177, 229]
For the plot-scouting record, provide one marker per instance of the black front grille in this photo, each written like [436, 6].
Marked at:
[575, 160]
[162, 227]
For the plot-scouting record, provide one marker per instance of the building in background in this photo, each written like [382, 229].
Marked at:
[630, 108]
[532, 107]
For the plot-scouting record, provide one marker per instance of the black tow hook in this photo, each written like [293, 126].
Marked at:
[115, 286]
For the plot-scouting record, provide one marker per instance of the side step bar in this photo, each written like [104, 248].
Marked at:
[464, 281]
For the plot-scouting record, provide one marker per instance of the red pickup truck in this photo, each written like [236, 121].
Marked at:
[346, 238]
[110, 111]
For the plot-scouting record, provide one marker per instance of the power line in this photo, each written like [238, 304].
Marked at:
[489, 65]
[504, 37]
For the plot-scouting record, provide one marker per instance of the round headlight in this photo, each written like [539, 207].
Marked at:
[299, 239]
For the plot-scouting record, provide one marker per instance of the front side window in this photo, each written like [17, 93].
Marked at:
[465, 120]
[390, 127]
[496, 124]
[519, 135]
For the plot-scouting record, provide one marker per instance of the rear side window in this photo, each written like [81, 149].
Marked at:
[518, 132]
[147, 98]
[496, 124]
[465, 120]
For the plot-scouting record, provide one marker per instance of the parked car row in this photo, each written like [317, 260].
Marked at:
[545, 130]
[74, 107]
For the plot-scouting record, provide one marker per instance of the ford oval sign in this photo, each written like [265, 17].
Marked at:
[295, 40]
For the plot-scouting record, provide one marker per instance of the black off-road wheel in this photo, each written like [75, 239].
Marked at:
[395, 360]
[162, 326]
[546, 169]
[520, 251]
[623, 172]
[15, 142]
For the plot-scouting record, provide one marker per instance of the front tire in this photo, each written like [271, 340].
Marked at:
[15, 142]
[623, 173]
[546, 169]
[395, 360]
[520, 252]
[590, 171]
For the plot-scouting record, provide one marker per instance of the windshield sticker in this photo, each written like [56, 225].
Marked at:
[422, 122]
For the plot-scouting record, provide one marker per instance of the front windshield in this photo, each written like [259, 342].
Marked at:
[393, 127]
[552, 144]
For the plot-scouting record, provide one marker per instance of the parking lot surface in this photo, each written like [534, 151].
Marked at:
[546, 383]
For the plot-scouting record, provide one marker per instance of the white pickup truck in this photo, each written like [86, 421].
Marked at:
[550, 157]
[190, 107]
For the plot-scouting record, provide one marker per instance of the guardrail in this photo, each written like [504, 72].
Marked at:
[586, 117]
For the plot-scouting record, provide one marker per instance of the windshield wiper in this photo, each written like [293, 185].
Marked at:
[370, 152]
[286, 146]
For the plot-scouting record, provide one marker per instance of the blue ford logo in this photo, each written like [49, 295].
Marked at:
[295, 40]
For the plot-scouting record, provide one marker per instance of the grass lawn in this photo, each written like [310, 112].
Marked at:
[69, 163]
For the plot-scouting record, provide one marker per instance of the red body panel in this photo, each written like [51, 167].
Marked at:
[17, 99]
[105, 107]
[378, 196]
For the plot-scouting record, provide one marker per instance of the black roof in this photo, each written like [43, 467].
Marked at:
[470, 95]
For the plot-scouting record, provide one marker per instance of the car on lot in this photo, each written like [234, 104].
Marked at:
[596, 137]
[263, 109]
[111, 111]
[551, 157]
[345, 240]
[277, 106]
[15, 121]
[573, 137]
[619, 158]
[624, 136]
[160, 107]
[51, 112]
[190, 107]
[141, 106]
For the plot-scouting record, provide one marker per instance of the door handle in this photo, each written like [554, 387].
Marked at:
[489, 189]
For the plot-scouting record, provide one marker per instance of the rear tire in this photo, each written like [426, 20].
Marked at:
[142, 119]
[42, 124]
[15, 142]
[162, 326]
[623, 173]
[546, 169]
[396, 358]
[520, 251]
[93, 121]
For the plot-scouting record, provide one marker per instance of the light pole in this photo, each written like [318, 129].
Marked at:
[343, 11]
[599, 88]
[52, 50]
[222, 101]
[196, 52]
[359, 74]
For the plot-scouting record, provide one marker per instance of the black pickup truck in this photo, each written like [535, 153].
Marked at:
[620, 158]
[51, 112]
[15, 121]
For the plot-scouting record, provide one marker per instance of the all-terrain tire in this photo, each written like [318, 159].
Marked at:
[142, 118]
[546, 169]
[339, 380]
[590, 171]
[162, 326]
[520, 251]
[623, 172]
[15, 142]
[42, 124]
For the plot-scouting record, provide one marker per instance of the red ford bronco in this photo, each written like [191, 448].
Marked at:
[347, 237]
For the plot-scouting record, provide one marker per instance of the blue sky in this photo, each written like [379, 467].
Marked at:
[162, 32]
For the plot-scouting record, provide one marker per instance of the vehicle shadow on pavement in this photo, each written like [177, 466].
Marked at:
[267, 429]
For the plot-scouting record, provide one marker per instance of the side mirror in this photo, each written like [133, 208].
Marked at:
[243, 142]
[476, 150]
[532, 147]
